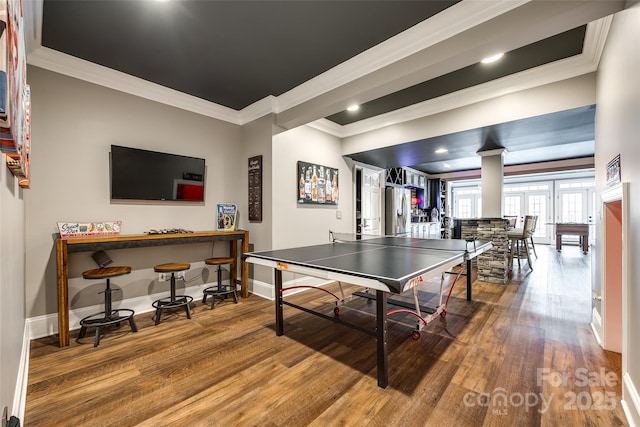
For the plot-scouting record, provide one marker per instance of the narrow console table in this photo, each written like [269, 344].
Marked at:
[91, 244]
[573, 229]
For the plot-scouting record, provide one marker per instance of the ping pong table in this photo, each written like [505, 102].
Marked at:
[387, 265]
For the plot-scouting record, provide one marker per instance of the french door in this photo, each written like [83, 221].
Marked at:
[467, 203]
[532, 199]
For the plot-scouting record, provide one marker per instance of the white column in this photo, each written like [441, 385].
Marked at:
[492, 177]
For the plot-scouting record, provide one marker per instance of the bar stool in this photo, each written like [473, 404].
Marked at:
[173, 301]
[521, 236]
[533, 230]
[220, 290]
[108, 316]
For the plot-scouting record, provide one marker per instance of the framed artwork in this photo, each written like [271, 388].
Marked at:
[613, 171]
[14, 91]
[317, 184]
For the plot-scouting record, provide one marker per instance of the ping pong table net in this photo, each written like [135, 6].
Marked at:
[352, 237]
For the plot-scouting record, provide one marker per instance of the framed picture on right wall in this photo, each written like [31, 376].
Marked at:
[317, 184]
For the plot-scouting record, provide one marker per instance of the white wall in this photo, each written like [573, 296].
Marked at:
[618, 132]
[12, 295]
[74, 124]
[299, 225]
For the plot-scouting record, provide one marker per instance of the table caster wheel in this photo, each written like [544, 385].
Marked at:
[415, 335]
[336, 310]
[443, 314]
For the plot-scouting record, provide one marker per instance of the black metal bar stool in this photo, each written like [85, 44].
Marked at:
[220, 290]
[173, 301]
[108, 316]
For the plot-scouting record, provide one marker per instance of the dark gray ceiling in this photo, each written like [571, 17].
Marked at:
[234, 53]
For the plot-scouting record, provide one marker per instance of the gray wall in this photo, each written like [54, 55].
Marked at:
[74, 124]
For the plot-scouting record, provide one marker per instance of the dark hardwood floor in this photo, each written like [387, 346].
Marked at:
[521, 354]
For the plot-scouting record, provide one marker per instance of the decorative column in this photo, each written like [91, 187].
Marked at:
[492, 177]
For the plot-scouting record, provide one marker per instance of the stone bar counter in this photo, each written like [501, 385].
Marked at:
[493, 265]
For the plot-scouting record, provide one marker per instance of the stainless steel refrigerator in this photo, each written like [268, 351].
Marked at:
[397, 211]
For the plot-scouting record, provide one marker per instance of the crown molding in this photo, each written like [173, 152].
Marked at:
[62, 63]
[261, 108]
[495, 152]
[327, 126]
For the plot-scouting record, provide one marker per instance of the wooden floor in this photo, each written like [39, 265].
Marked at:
[521, 354]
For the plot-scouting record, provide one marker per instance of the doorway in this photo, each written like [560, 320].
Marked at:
[368, 201]
[610, 312]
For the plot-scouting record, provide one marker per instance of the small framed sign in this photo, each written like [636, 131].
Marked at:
[89, 229]
[613, 171]
[227, 215]
[255, 189]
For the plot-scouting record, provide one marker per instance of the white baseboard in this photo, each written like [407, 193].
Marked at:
[630, 401]
[44, 326]
[596, 326]
[263, 289]
[20, 393]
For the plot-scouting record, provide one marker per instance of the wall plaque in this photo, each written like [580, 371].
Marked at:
[255, 189]
[613, 171]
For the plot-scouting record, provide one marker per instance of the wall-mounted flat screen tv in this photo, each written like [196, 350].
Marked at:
[138, 174]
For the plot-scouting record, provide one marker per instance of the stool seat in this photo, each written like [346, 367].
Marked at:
[173, 300]
[219, 260]
[108, 316]
[220, 290]
[104, 272]
[515, 233]
[171, 267]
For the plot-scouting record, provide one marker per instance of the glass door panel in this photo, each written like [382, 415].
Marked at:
[464, 207]
[572, 207]
[537, 204]
[513, 206]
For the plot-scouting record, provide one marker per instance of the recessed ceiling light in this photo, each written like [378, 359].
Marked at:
[441, 151]
[354, 107]
[493, 58]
